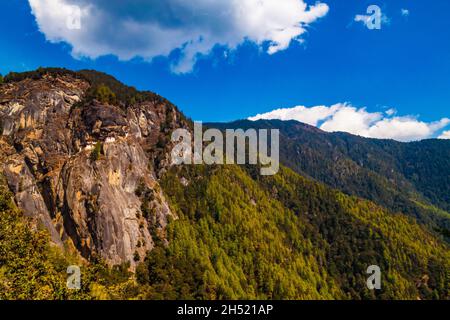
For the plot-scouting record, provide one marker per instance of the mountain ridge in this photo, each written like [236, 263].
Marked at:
[393, 174]
[85, 162]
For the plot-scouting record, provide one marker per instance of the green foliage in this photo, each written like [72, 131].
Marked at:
[38, 74]
[243, 236]
[33, 269]
[412, 178]
[117, 93]
[104, 94]
[285, 237]
[29, 267]
[224, 247]
[96, 152]
[124, 95]
[359, 233]
[1, 78]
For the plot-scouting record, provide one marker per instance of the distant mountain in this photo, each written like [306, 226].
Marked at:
[412, 178]
[86, 179]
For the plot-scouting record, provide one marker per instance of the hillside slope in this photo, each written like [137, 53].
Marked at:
[286, 237]
[412, 178]
[85, 179]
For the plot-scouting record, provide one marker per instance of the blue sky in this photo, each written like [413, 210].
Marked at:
[404, 66]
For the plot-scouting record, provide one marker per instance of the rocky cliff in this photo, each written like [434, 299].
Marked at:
[85, 167]
[86, 158]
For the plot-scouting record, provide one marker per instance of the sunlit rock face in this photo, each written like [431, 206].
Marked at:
[49, 137]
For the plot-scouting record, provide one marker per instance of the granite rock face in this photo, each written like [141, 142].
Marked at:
[75, 167]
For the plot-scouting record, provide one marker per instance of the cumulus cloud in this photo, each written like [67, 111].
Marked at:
[405, 12]
[445, 135]
[151, 28]
[303, 114]
[347, 118]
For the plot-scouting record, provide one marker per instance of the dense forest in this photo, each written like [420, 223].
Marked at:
[338, 205]
[411, 178]
[238, 237]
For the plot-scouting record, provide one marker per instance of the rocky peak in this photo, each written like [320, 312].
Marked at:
[85, 167]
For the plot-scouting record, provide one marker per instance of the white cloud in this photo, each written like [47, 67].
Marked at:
[405, 12]
[445, 135]
[303, 114]
[391, 112]
[151, 28]
[363, 18]
[370, 20]
[347, 118]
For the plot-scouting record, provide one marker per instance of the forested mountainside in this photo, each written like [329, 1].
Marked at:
[412, 178]
[85, 180]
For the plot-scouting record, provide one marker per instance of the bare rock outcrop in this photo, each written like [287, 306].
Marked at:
[76, 168]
